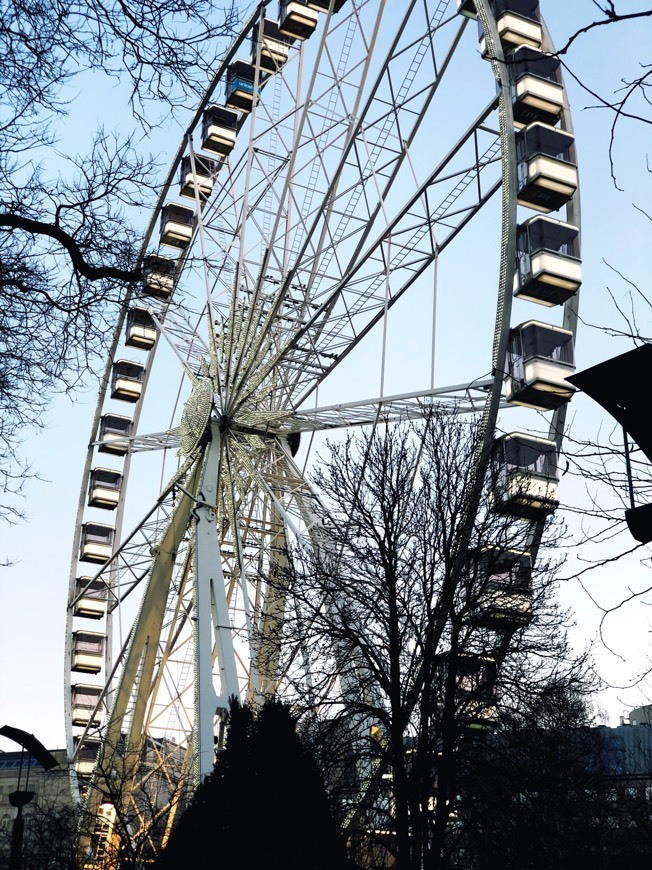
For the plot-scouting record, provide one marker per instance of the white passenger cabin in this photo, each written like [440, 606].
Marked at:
[141, 331]
[549, 269]
[219, 129]
[114, 433]
[96, 542]
[537, 92]
[158, 276]
[127, 380]
[297, 19]
[87, 651]
[177, 225]
[200, 182]
[518, 23]
[85, 701]
[274, 45]
[86, 756]
[525, 476]
[104, 487]
[540, 357]
[547, 174]
[505, 600]
[90, 598]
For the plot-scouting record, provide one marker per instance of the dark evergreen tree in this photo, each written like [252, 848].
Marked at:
[264, 806]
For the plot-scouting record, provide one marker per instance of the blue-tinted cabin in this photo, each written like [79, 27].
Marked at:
[240, 78]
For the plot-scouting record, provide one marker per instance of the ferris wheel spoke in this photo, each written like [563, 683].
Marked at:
[376, 127]
[358, 301]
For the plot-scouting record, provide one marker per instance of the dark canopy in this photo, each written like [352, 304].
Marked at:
[31, 744]
[622, 386]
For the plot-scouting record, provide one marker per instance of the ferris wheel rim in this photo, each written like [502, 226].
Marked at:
[497, 379]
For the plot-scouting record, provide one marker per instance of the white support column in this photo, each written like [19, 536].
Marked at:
[212, 623]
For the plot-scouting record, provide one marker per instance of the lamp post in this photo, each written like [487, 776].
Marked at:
[21, 798]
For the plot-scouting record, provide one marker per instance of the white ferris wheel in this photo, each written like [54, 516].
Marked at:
[344, 149]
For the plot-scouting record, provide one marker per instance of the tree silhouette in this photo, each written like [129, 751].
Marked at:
[263, 806]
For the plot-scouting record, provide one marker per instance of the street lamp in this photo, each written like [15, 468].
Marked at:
[21, 798]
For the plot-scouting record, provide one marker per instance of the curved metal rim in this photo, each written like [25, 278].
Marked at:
[501, 329]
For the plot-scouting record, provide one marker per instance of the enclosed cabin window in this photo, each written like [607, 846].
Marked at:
[504, 578]
[159, 273]
[476, 692]
[518, 22]
[474, 680]
[540, 358]
[199, 182]
[115, 432]
[240, 78]
[141, 330]
[219, 129]
[537, 92]
[90, 598]
[127, 380]
[86, 755]
[525, 476]
[296, 18]
[549, 269]
[104, 488]
[87, 651]
[547, 174]
[177, 225]
[467, 8]
[96, 542]
[274, 45]
[85, 702]
[325, 5]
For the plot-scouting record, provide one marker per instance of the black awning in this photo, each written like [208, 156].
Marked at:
[31, 744]
[623, 386]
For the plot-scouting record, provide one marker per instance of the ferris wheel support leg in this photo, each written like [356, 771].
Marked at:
[213, 633]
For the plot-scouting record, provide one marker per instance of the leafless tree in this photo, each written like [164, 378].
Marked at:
[417, 635]
[69, 231]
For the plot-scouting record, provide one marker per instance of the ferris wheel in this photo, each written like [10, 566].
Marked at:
[343, 154]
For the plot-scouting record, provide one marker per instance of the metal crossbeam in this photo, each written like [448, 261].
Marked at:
[460, 398]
